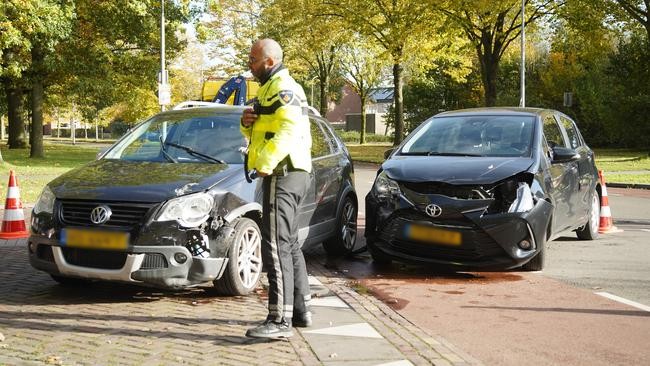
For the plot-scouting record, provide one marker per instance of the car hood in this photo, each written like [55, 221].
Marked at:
[454, 169]
[116, 180]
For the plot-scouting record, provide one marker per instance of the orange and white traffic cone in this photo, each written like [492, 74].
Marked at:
[13, 226]
[606, 221]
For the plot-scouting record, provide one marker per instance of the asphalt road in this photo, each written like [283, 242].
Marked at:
[556, 316]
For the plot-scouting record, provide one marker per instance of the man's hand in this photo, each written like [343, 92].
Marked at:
[248, 117]
[262, 174]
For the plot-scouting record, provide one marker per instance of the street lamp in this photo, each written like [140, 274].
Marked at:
[522, 101]
[164, 92]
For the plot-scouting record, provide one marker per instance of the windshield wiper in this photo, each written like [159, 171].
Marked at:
[164, 151]
[437, 153]
[196, 153]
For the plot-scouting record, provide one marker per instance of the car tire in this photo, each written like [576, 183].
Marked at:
[590, 230]
[70, 281]
[342, 243]
[378, 257]
[244, 259]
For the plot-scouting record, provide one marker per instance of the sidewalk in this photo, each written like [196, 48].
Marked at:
[42, 323]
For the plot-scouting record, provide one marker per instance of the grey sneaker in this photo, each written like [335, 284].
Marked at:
[271, 329]
[302, 320]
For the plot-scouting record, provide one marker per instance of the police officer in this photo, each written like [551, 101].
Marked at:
[277, 128]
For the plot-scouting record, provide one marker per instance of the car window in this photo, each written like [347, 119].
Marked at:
[320, 146]
[552, 132]
[472, 135]
[183, 138]
[572, 132]
[329, 134]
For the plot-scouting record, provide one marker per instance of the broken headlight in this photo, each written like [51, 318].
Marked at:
[189, 211]
[385, 188]
[511, 196]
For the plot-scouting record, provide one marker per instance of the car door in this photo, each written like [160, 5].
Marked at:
[318, 210]
[328, 178]
[585, 165]
[563, 177]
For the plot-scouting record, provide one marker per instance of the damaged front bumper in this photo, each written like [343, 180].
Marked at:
[488, 241]
[157, 266]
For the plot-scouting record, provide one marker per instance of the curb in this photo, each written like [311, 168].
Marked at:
[628, 185]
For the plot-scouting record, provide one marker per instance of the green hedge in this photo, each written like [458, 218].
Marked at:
[355, 137]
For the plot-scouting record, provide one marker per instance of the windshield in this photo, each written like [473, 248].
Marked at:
[507, 136]
[206, 136]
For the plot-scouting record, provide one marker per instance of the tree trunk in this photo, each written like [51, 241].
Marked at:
[324, 81]
[399, 106]
[489, 67]
[362, 135]
[36, 134]
[16, 131]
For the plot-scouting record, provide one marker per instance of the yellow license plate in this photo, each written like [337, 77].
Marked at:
[90, 239]
[433, 235]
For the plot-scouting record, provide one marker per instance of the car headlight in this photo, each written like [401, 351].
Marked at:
[45, 202]
[189, 211]
[385, 188]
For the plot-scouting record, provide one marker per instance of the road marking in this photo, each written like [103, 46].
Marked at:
[624, 301]
[646, 230]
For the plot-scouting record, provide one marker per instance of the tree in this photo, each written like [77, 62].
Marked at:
[363, 68]
[230, 32]
[405, 29]
[491, 26]
[311, 41]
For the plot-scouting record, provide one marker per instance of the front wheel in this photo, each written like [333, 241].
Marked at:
[343, 241]
[590, 230]
[244, 259]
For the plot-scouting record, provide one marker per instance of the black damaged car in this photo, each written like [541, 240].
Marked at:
[168, 205]
[483, 189]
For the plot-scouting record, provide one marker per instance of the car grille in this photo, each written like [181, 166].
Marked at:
[154, 261]
[124, 215]
[102, 259]
[476, 244]
[445, 189]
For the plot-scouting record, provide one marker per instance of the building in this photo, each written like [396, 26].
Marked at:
[348, 111]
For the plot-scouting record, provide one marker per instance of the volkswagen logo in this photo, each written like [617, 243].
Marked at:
[100, 214]
[433, 210]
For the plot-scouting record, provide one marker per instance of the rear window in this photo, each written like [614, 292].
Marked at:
[473, 136]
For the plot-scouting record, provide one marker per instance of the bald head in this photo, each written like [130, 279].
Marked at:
[269, 48]
[265, 55]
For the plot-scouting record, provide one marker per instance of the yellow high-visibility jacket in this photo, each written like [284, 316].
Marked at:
[282, 128]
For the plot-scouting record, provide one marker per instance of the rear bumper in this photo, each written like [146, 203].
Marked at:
[145, 265]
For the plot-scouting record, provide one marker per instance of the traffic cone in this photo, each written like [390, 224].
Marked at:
[13, 226]
[606, 221]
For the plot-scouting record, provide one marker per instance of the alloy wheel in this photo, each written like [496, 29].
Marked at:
[249, 257]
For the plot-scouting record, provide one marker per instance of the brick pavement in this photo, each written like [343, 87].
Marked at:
[112, 324]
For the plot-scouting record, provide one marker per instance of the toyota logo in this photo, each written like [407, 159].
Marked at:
[433, 210]
[100, 214]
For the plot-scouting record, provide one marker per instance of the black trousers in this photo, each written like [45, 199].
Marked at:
[285, 263]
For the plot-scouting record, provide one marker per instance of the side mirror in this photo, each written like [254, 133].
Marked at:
[564, 155]
[388, 152]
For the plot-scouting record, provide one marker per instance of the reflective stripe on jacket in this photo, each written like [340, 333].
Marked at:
[282, 127]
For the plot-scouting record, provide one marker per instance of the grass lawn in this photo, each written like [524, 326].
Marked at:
[34, 174]
[618, 165]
